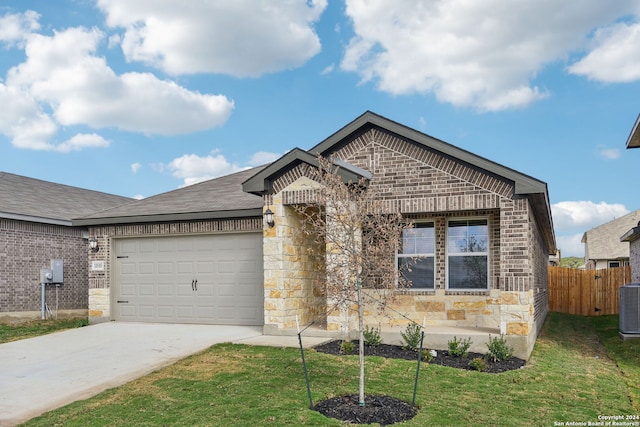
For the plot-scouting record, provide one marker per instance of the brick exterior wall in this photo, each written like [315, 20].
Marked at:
[425, 185]
[100, 280]
[25, 249]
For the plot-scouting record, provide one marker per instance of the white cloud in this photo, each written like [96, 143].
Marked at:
[135, 167]
[328, 69]
[572, 216]
[615, 58]
[80, 141]
[570, 245]
[192, 168]
[263, 157]
[484, 53]
[14, 28]
[138, 197]
[64, 82]
[608, 153]
[243, 38]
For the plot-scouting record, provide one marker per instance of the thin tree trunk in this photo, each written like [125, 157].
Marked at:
[361, 346]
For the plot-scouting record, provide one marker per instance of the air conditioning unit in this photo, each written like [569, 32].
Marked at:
[630, 309]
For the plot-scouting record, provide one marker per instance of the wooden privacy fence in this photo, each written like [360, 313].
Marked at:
[586, 292]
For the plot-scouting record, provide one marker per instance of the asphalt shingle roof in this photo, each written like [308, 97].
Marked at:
[36, 200]
[216, 198]
[603, 242]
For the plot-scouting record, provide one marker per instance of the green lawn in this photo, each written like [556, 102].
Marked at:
[14, 332]
[579, 370]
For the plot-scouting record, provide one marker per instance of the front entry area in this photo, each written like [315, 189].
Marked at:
[209, 279]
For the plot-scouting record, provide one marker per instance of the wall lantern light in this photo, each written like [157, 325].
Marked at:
[268, 216]
[93, 244]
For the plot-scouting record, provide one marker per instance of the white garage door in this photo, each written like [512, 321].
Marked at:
[213, 279]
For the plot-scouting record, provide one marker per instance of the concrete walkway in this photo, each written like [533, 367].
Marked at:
[41, 374]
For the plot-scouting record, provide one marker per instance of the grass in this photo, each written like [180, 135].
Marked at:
[19, 331]
[579, 369]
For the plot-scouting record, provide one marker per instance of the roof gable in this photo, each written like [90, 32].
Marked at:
[262, 181]
[35, 200]
[634, 137]
[524, 184]
[604, 241]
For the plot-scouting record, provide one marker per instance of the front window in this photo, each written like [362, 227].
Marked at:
[416, 259]
[468, 254]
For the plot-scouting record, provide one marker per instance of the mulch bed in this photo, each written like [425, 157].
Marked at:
[387, 410]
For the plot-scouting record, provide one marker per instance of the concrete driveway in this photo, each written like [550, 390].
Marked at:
[44, 373]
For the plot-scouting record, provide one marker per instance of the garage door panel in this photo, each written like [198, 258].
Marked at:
[166, 312]
[165, 267]
[146, 268]
[248, 266]
[165, 290]
[146, 246]
[128, 268]
[156, 276]
[226, 266]
[145, 290]
[205, 267]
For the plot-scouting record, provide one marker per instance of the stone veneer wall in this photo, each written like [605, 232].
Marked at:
[292, 267]
[26, 248]
[100, 280]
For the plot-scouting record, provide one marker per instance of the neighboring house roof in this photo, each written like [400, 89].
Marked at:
[525, 185]
[30, 199]
[603, 242]
[216, 198]
[631, 235]
[634, 137]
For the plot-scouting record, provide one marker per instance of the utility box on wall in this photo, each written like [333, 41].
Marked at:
[55, 274]
[57, 267]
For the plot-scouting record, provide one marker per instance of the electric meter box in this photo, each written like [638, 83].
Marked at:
[46, 276]
[57, 268]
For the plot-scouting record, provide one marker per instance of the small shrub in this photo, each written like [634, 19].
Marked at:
[459, 348]
[347, 347]
[372, 336]
[479, 364]
[429, 355]
[412, 336]
[499, 349]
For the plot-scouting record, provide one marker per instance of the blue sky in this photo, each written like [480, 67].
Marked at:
[139, 98]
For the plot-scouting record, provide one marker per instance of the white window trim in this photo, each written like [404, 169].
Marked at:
[448, 254]
[422, 255]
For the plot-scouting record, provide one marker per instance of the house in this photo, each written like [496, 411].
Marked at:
[35, 227]
[632, 236]
[205, 253]
[602, 245]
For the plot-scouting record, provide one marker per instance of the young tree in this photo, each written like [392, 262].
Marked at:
[360, 235]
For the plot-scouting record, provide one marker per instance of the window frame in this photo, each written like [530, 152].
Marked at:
[400, 254]
[449, 253]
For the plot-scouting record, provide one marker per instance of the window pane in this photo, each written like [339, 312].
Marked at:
[468, 272]
[418, 240]
[418, 272]
[468, 236]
